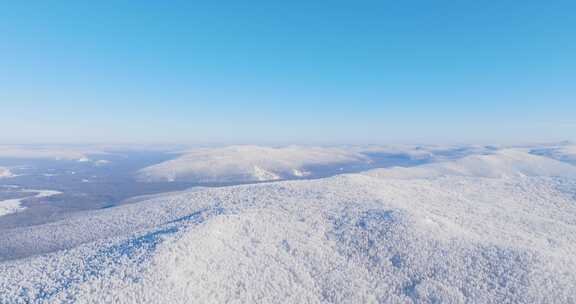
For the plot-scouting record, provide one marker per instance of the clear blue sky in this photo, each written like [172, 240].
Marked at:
[288, 71]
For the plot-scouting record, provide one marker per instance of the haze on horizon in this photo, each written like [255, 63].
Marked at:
[299, 71]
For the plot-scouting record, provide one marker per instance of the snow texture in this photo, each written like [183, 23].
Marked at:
[498, 228]
[247, 163]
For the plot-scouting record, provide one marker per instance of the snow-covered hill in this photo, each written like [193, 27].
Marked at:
[489, 229]
[566, 153]
[241, 164]
[500, 163]
[247, 163]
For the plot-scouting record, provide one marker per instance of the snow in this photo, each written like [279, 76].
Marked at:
[10, 206]
[427, 152]
[500, 163]
[15, 205]
[247, 163]
[263, 175]
[300, 173]
[46, 152]
[495, 228]
[566, 153]
[263, 163]
[5, 172]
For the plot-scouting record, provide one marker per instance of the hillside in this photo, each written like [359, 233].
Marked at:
[502, 232]
[247, 163]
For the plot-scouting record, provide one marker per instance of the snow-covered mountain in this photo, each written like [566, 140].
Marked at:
[497, 228]
[501, 163]
[261, 163]
[247, 163]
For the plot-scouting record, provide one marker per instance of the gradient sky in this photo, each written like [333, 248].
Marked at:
[288, 71]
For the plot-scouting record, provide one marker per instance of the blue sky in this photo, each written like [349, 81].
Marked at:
[287, 71]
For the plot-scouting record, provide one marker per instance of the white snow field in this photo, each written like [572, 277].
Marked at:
[247, 163]
[501, 163]
[498, 228]
[15, 205]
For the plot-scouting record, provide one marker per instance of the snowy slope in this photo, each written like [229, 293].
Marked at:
[262, 163]
[566, 153]
[434, 152]
[247, 163]
[500, 163]
[494, 230]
